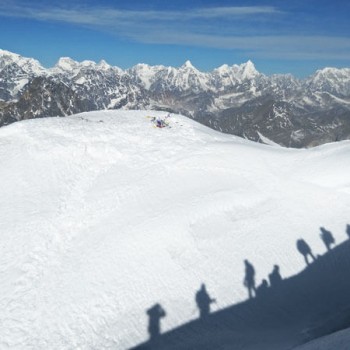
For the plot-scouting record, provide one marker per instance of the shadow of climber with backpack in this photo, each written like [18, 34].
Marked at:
[327, 238]
[262, 289]
[155, 314]
[249, 279]
[275, 276]
[203, 301]
[305, 250]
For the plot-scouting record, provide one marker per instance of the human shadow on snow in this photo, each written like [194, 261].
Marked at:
[279, 314]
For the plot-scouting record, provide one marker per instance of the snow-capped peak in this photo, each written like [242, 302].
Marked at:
[7, 53]
[29, 65]
[330, 72]
[333, 80]
[225, 68]
[88, 63]
[145, 73]
[66, 64]
[238, 72]
[188, 65]
[4, 54]
[248, 70]
[104, 65]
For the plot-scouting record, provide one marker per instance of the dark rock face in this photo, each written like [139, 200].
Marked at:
[44, 97]
[233, 99]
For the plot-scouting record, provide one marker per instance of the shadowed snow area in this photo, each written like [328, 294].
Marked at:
[103, 215]
[339, 340]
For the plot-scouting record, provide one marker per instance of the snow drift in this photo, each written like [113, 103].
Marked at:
[104, 215]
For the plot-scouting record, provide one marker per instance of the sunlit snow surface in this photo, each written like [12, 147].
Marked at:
[103, 215]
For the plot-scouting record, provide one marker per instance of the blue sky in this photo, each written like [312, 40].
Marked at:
[291, 36]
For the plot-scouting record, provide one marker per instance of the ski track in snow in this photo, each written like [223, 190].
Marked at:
[104, 215]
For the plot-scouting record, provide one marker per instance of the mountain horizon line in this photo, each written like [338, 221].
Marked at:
[236, 99]
[64, 62]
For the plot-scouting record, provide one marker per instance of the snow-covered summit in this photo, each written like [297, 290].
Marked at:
[104, 65]
[104, 215]
[145, 73]
[333, 80]
[187, 77]
[28, 65]
[188, 65]
[331, 72]
[248, 70]
[66, 64]
[223, 68]
[15, 73]
[227, 76]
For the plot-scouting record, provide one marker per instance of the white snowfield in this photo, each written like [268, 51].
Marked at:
[103, 215]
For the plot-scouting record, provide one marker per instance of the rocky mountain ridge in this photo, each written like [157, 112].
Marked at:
[234, 99]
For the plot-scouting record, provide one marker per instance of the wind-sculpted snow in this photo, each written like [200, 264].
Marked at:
[104, 215]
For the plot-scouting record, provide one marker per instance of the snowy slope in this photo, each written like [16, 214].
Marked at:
[104, 215]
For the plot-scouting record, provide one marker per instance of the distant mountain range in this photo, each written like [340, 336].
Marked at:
[233, 99]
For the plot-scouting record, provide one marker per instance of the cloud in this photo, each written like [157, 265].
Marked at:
[289, 47]
[221, 12]
[104, 15]
[215, 27]
[283, 42]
